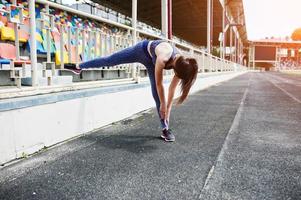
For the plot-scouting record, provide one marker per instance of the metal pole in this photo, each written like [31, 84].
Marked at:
[62, 46]
[169, 17]
[89, 44]
[134, 20]
[76, 45]
[69, 44]
[224, 32]
[95, 43]
[17, 43]
[249, 63]
[48, 37]
[235, 45]
[231, 44]
[106, 44]
[134, 33]
[253, 57]
[102, 44]
[209, 26]
[240, 52]
[164, 18]
[83, 44]
[33, 47]
[203, 63]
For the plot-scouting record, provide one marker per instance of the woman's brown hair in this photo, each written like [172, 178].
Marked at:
[186, 69]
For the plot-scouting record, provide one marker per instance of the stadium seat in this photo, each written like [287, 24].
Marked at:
[8, 52]
[7, 33]
[4, 61]
[58, 57]
[55, 36]
[73, 55]
[39, 46]
[3, 19]
[52, 47]
[39, 41]
[39, 36]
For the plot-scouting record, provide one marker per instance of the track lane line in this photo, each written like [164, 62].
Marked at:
[283, 90]
[233, 127]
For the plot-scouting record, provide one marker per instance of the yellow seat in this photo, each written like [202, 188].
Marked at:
[7, 33]
[39, 37]
[58, 57]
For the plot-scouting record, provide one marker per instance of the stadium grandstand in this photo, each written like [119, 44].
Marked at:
[69, 32]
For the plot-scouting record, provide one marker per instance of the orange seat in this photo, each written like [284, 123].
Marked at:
[3, 19]
[73, 55]
[7, 51]
[56, 36]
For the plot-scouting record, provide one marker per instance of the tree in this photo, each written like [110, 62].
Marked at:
[296, 35]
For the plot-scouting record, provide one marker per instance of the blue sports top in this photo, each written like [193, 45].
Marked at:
[152, 48]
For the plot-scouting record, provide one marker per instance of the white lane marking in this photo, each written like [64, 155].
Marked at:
[233, 127]
[283, 90]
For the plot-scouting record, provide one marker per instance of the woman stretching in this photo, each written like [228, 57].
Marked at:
[156, 56]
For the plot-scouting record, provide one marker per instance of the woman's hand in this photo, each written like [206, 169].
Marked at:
[163, 111]
[167, 114]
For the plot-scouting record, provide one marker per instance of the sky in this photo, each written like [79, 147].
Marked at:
[266, 18]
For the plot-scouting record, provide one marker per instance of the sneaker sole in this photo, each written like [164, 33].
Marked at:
[167, 140]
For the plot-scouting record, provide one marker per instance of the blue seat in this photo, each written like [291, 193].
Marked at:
[4, 61]
[40, 48]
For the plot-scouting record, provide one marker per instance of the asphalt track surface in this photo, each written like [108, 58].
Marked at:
[237, 140]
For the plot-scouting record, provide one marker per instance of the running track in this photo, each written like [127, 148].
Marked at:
[238, 140]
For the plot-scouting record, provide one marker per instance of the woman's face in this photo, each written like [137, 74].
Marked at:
[173, 63]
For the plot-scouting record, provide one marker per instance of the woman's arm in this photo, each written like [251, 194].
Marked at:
[163, 52]
[171, 91]
[159, 85]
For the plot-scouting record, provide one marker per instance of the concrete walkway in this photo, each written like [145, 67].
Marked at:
[238, 140]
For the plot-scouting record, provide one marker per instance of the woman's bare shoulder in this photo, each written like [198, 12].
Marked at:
[164, 50]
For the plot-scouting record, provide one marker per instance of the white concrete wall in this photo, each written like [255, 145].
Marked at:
[25, 131]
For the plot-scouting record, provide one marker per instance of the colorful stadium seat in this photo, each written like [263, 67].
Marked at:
[39, 36]
[39, 46]
[8, 52]
[3, 19]
[4, 61]
[73, 55]
[52, 47]
[58, 57]
[7, 33]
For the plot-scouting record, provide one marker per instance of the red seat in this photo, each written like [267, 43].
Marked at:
[8, 51]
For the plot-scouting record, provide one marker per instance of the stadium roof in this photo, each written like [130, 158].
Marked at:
[189, 16]
[277, 42]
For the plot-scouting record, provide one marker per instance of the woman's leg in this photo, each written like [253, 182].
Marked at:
[151, 74]
[128, 55]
